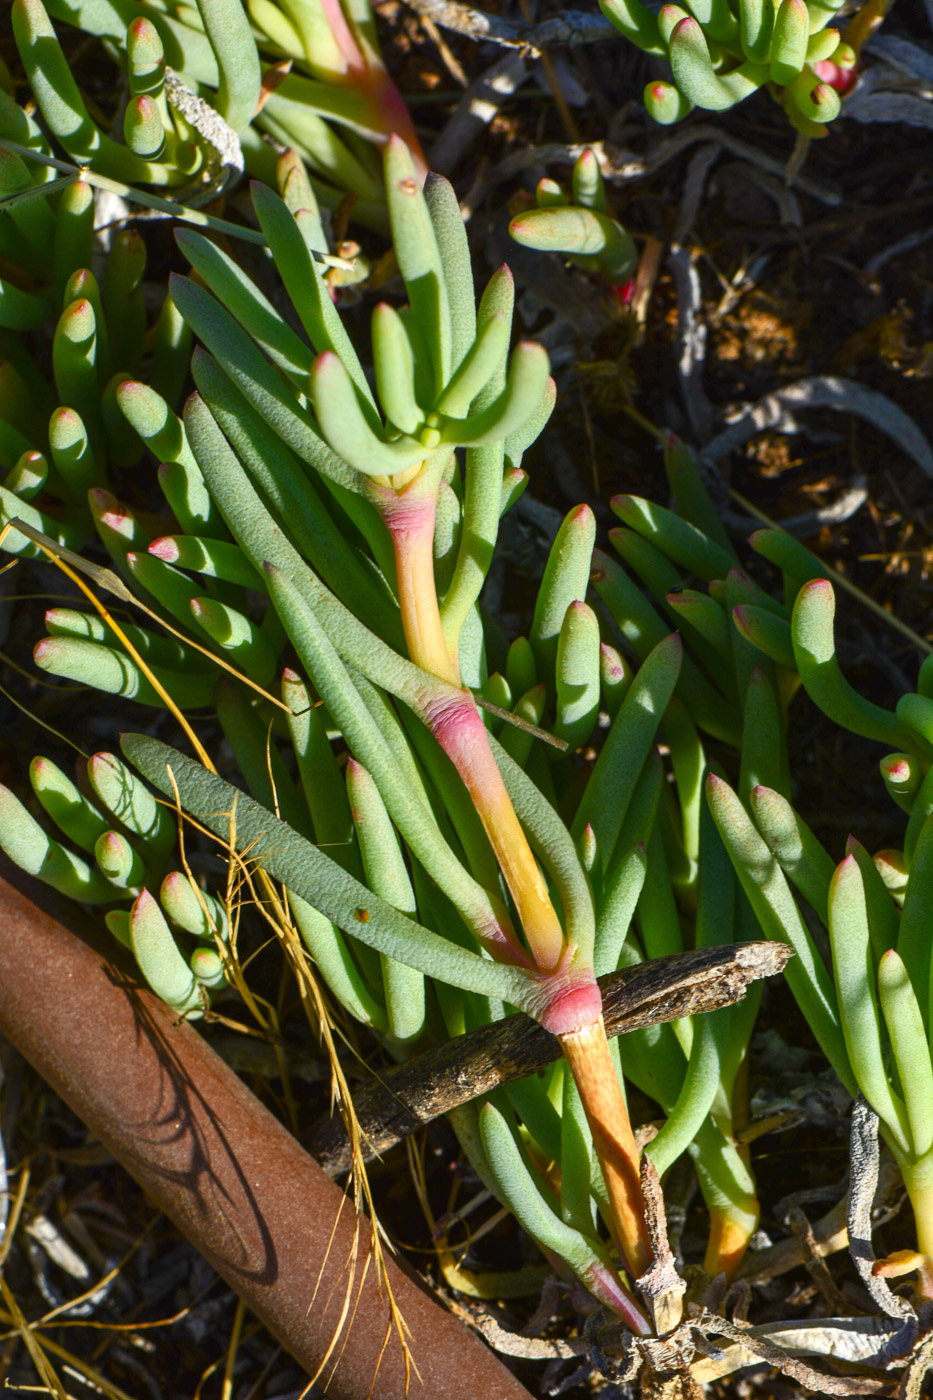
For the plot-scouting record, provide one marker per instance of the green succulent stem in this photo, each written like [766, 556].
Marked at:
[918, 1179]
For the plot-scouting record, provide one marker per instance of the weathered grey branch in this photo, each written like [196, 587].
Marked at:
[393, 1106]
[570, 28]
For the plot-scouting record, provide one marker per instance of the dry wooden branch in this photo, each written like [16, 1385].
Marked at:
[403, 1100]
[571, 27]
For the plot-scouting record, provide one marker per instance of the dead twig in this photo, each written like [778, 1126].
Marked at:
[570, 28]
[863, 1182]
[661, 1286]
[762, 1348]
[392, 1107]
[619, 167]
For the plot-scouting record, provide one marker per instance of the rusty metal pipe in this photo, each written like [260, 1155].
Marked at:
[220, 1166]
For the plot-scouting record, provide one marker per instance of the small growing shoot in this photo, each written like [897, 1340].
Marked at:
[722, 53]
[578, 225]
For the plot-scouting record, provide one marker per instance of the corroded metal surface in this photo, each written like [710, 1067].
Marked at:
[226, 1172]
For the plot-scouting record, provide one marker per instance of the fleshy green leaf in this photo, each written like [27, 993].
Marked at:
[263, 840]
[854, 973]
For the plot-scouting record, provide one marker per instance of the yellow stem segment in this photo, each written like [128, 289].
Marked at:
[729, 1235]
[478, 769]
[464, 737]
[421, 617]
[863, 25]
[918, 1178]
[590, 1061]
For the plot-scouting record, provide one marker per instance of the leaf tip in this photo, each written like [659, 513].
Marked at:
[165, 548]
[686, 26]
[143, 903]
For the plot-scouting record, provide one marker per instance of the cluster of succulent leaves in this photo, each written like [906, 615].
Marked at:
[871, 1009]
[289, 475]
[62, 433]
[578, 225]
[203, 77]
[721, 51]
[130, 837]
[301, 497]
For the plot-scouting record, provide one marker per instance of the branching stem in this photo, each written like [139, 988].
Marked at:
[409, 515]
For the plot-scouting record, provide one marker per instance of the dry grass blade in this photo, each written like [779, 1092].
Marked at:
[16, 1210]
[94, 1378]
[518, 723]
[490, 1284]
[32, 1344]
[235, 1333]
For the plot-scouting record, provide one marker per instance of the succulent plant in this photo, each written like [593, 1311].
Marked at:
[578, 225]
[314, 512]
[456, 825]
[502, 830]
[201, 101]
[870, 1009]
[345, 524]
[721, 52]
